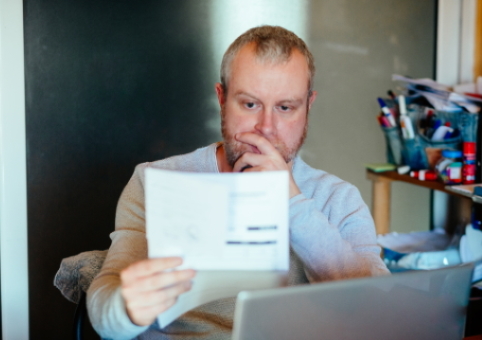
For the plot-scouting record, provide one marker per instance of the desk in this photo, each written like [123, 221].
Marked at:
[381, 188]
[381, 182]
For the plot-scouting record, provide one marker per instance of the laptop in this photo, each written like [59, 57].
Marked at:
[409, 305]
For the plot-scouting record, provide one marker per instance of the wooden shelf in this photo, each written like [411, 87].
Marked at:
[381, 188]
[395, 176]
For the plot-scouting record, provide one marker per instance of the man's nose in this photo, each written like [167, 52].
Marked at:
[265, 123]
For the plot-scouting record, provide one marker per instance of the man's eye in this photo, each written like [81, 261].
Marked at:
[249, 105]
[284, 108]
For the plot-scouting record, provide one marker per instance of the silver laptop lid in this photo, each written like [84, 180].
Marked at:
[411, 305]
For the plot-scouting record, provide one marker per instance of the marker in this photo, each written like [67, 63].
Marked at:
[402, 104]
[391, 95]
[405, 121]
[436, 124]
[424, 175]
[432, 124]
[380, 121]
[383, 121]
[386, 112]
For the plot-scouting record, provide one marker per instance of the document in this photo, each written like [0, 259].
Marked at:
[465, 189]
[231, 227]
[440, 96]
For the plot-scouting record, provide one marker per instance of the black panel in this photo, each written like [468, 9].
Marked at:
[109, 84]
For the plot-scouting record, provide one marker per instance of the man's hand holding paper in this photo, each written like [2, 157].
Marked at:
[151, 286]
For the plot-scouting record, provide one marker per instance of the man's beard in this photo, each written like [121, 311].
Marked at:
[234, 149]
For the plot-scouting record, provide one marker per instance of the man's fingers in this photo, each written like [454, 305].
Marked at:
[151, 298]
[160, 280]
[148, 267]
[247, 161]
[143, 310]
[263, 145]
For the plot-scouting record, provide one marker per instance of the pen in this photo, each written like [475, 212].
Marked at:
[380, 121]
[383, 121]
[386, 112]
[391, 95]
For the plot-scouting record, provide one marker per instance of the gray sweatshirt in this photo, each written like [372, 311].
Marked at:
[332, 237]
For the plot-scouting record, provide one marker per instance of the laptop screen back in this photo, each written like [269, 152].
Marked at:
[411, 305]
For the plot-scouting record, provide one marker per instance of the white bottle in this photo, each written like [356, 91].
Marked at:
[439, 134]
[405, 121]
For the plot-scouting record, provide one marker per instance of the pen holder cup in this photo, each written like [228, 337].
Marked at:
[424, 153]
[421, 152]
[468, 125]
[413, 154]
[394, 145]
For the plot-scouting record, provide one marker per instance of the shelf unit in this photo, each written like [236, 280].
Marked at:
[381, 189]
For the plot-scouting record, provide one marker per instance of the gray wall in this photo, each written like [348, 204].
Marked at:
[358, 45]
[109, 86]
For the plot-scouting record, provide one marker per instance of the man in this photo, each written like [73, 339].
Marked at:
[265, 95]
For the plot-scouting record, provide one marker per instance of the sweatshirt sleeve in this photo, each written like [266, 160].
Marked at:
[334, 235]
[105, 304]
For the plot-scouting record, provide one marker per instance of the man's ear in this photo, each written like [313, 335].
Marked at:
[220, 93]
[311, 99]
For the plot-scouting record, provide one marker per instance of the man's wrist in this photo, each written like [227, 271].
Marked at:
[294, 190]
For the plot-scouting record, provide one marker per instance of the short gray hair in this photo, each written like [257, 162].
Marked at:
[273, 44]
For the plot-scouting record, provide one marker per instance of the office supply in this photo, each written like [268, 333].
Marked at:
[441, 132]
[440, 96]
[391, 95]
[411, 305]
[383, 121]
[232, 228]
[469, 167]
[229, 221]
[449, 167]
[422, 81]
[424, 175]
[405, 121]
[380, 167]
[404, 169]
[386, 112]
[465, 189]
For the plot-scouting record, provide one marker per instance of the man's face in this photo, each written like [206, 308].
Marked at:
[267, 99]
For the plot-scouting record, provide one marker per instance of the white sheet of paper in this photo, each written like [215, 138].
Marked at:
[422, 81]
[219, 222]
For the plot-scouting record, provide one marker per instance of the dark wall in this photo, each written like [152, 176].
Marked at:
[109, 84]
